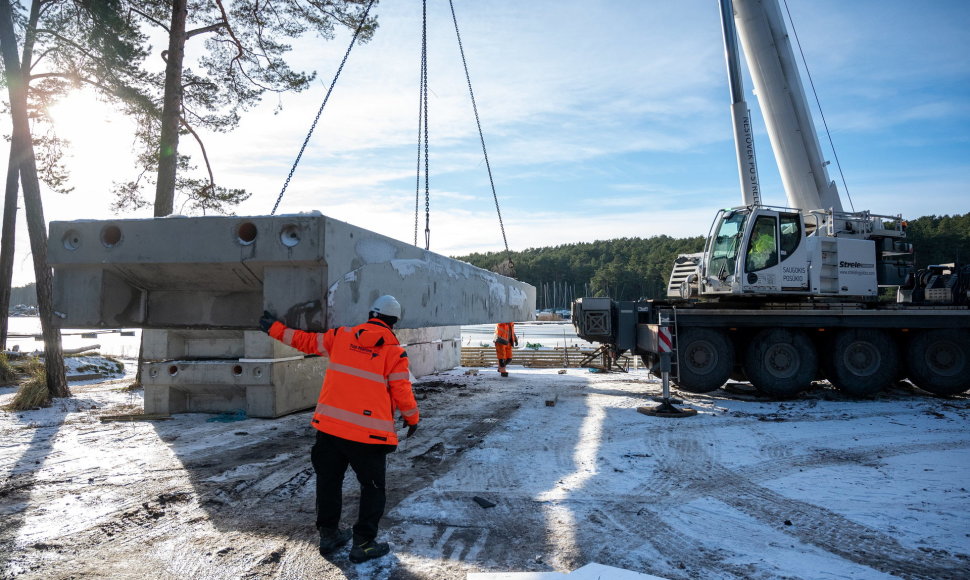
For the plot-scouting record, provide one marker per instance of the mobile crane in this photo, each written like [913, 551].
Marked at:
[783, 296]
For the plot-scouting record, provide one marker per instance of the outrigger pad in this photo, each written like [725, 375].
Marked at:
[667, 410]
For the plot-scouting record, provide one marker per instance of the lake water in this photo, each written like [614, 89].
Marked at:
[22, 330]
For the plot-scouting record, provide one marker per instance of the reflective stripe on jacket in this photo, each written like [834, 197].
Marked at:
[504, 333]
[367, 378]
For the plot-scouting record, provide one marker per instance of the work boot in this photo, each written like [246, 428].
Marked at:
[368, 551]
[331, 539]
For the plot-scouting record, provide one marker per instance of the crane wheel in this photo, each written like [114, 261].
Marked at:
[939, 361]
[862, 361]
[705, 359]
[781, 362]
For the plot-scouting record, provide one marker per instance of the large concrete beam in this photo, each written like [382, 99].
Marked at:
[221, 272]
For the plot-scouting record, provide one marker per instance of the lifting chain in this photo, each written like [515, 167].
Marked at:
[481, 135]
[423, 125]
[313, 126]
[508, 266]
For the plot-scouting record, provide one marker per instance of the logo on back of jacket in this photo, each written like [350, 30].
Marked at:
[363, 350]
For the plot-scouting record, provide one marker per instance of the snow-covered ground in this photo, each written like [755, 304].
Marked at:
[818, 487]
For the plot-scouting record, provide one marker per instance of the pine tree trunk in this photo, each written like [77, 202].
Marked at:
[171, 113]
[22, 151]
[7, 246]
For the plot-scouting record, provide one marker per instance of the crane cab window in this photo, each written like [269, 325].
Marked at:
[791, 234]
[763, 244]
[725, 244]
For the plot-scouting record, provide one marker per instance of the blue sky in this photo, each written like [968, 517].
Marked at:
[602, 120]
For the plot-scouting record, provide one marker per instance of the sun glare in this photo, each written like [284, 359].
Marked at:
[81, 115]
[98, 154]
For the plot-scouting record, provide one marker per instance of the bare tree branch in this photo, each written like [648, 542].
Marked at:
[239, 46]
[205, 156]
[150, 19]
[205, 29]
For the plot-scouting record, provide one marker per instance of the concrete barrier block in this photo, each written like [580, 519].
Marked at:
[164, 344]
[258, 344]
[264, 389]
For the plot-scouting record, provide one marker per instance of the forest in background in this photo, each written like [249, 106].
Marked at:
[26, 295]
[632, 268]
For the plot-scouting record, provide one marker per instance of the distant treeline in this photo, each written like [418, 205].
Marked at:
[632, 268]
[26, 295]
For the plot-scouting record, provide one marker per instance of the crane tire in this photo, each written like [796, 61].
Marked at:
[939, 361]
[705, 359]
[781, 362]
[862, 361]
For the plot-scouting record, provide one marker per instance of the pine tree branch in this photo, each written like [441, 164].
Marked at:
[150, 19]
[204, 29]
[205, 155]
[239, 46]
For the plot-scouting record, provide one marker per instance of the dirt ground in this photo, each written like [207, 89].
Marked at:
[818, 487]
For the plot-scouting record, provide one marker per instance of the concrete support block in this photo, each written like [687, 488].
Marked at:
[192, 344]
[258, 344]
[262, 389]
[219, 371]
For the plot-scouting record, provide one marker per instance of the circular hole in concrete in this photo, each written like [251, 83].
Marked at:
[258, 372]
[173, 370]
[290, 235]
[237, 370]
[110, 236]
[153, 373]
[71, 240]
[246, 233]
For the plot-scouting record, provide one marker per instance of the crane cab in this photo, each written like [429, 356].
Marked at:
[759, 250]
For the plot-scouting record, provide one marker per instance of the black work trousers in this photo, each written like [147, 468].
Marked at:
[330, 456]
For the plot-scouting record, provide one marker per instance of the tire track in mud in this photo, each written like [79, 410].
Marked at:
[437, 460]
[525, 525]
[699, 476]
[505, 536]
[472, 538]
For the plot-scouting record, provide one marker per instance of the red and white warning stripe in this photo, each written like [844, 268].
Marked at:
[663, 339]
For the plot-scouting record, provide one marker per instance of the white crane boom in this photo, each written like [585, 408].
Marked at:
[781, 96]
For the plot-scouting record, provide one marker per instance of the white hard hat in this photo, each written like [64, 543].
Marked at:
[387, 305]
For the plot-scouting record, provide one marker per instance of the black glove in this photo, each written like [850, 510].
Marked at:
[266, 321]
[515, 341]
[411, 428]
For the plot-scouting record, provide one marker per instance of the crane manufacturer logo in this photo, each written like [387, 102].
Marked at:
[844, 264]
[847, 268]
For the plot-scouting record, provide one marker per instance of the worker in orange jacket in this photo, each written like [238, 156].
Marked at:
[504, 340]
[366, 379]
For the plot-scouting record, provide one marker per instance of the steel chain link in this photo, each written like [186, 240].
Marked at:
[481, 135]
[313, 126]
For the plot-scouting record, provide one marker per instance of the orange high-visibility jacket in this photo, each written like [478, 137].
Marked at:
[504, 337]
[504, 333]
[367, 378]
